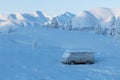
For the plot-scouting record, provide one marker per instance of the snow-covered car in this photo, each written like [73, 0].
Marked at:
[78, 57]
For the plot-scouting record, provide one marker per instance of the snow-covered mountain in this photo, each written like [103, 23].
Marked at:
[109, 20]
[22, 20]
[100, 20]
[60, 20]
[63, 18]
[102, 14]
[83, 21]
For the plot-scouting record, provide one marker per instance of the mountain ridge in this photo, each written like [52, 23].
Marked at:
[100, 20]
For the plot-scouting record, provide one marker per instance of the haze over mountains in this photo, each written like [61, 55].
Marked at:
[100, 20]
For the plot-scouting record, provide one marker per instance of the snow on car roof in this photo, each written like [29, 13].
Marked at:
[78, 50]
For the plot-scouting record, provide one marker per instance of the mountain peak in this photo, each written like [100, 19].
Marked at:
[84, 20]
[66, 13]
[102, 13]
[37, 13]
[83, 13]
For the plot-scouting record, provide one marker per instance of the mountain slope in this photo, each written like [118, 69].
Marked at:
[23, 19]
[59, 21]
[102, 14]
[84, 21]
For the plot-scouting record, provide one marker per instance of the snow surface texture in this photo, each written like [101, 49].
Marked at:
[34, 53]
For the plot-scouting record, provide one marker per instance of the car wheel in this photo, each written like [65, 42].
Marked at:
[72, 62]
[88, 62]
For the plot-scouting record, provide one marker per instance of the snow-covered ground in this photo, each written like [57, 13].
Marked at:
[35, 54]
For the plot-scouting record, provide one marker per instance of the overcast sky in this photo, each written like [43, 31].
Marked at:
[53, 7]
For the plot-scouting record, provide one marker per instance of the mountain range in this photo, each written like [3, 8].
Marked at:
[100, 20]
